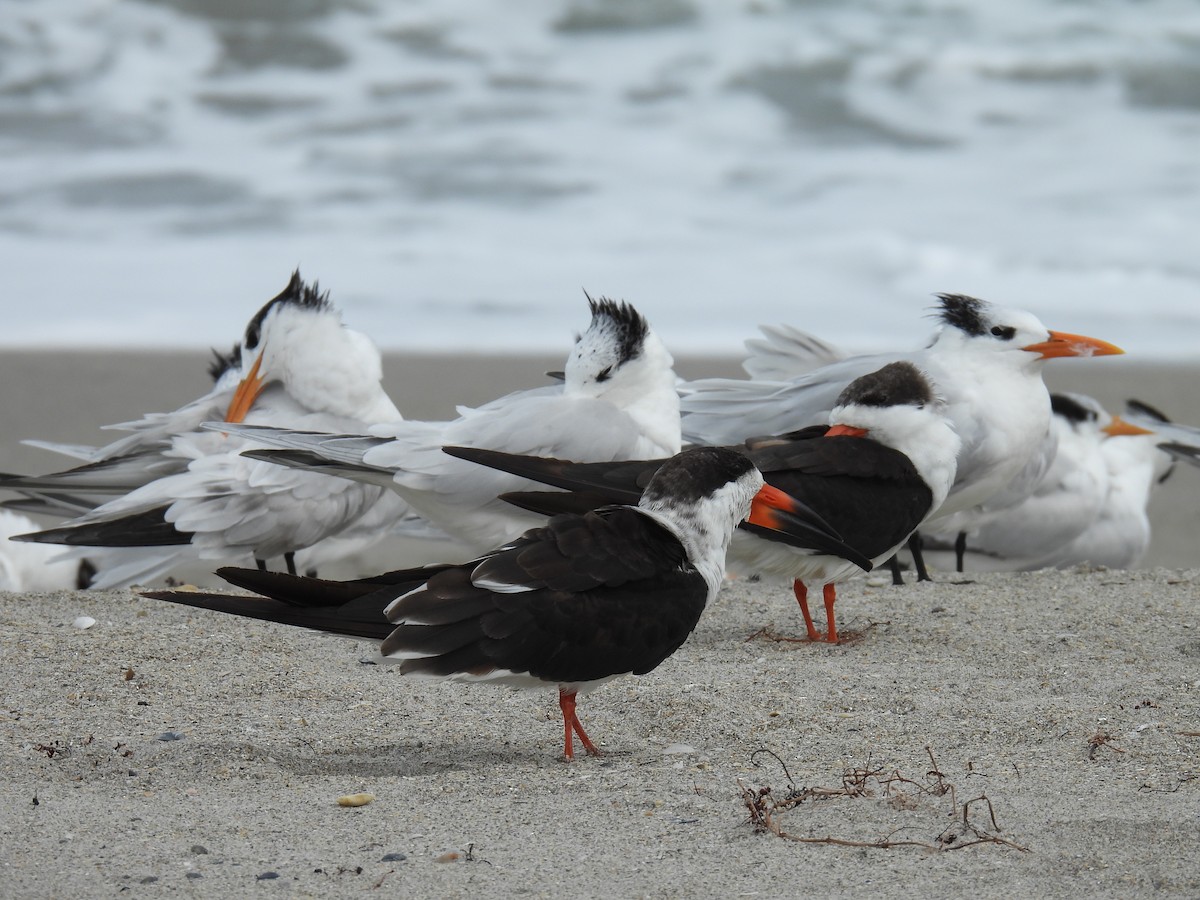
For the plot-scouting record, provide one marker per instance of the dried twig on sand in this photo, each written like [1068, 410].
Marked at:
[872, 781]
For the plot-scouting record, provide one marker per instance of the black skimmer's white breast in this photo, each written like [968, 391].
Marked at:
[572, 604]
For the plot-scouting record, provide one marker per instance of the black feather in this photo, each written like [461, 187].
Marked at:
[222, 363]
[964, 313]
[144, 529]
[630, 327]
[297, 293]
[1071, 409]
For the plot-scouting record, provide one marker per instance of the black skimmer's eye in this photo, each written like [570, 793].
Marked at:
[604, 374]
[1004, 332]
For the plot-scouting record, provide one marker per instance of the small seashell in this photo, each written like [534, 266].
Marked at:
[83, 622]
[355, 799]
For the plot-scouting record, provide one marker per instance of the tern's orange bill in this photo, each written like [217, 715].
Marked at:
[1119, 426]
[247, 392]
[1063, 344]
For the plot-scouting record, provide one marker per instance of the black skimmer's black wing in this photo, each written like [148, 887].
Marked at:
[867, 491]
[591, 485]
[598, 484]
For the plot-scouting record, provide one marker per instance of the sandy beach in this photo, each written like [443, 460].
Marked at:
[170, 750]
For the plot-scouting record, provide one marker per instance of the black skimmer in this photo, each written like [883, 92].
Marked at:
[617, 401]
[298, 366]
[575, 603]
[886, 459]
[986, 362]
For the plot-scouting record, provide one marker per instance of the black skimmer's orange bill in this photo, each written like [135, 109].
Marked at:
[873, 474]
[575, 603]
[984, 360]
[617, 401]
[187, 493]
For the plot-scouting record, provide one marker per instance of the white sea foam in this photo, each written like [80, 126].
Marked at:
[456, 173]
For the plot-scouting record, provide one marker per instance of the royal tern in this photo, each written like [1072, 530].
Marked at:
[986, 362]
[1119, 536]
[573, 604]
[617, 401]
[884, 461]
[299, 367]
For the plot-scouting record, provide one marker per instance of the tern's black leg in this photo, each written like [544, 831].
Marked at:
[290, 559]
[894, 565]
[261, 563]
[960, 549]
[914, 547]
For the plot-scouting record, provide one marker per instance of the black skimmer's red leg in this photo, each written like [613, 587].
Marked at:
[800, 589]
[566, 702]
[830, 594]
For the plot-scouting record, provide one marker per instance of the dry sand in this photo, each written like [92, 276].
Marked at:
[1070, 700]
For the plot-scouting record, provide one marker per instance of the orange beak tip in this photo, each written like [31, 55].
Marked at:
[1063, 344]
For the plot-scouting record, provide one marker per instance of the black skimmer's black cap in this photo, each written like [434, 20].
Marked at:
[896, 384]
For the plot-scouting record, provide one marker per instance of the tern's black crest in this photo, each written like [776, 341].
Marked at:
[1071, 409]
[297, 293]
[967, 314]
[697, 473]
[896, 384]
[222, 363]
[1145, 409]
[629, 325]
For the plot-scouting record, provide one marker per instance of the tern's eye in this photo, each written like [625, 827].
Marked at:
[604, 374]
[1004, 332]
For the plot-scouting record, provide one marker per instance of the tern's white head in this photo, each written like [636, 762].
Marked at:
[976, 326]
[621, 360]
[897, 407]
[298, 341]
[618, 354]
